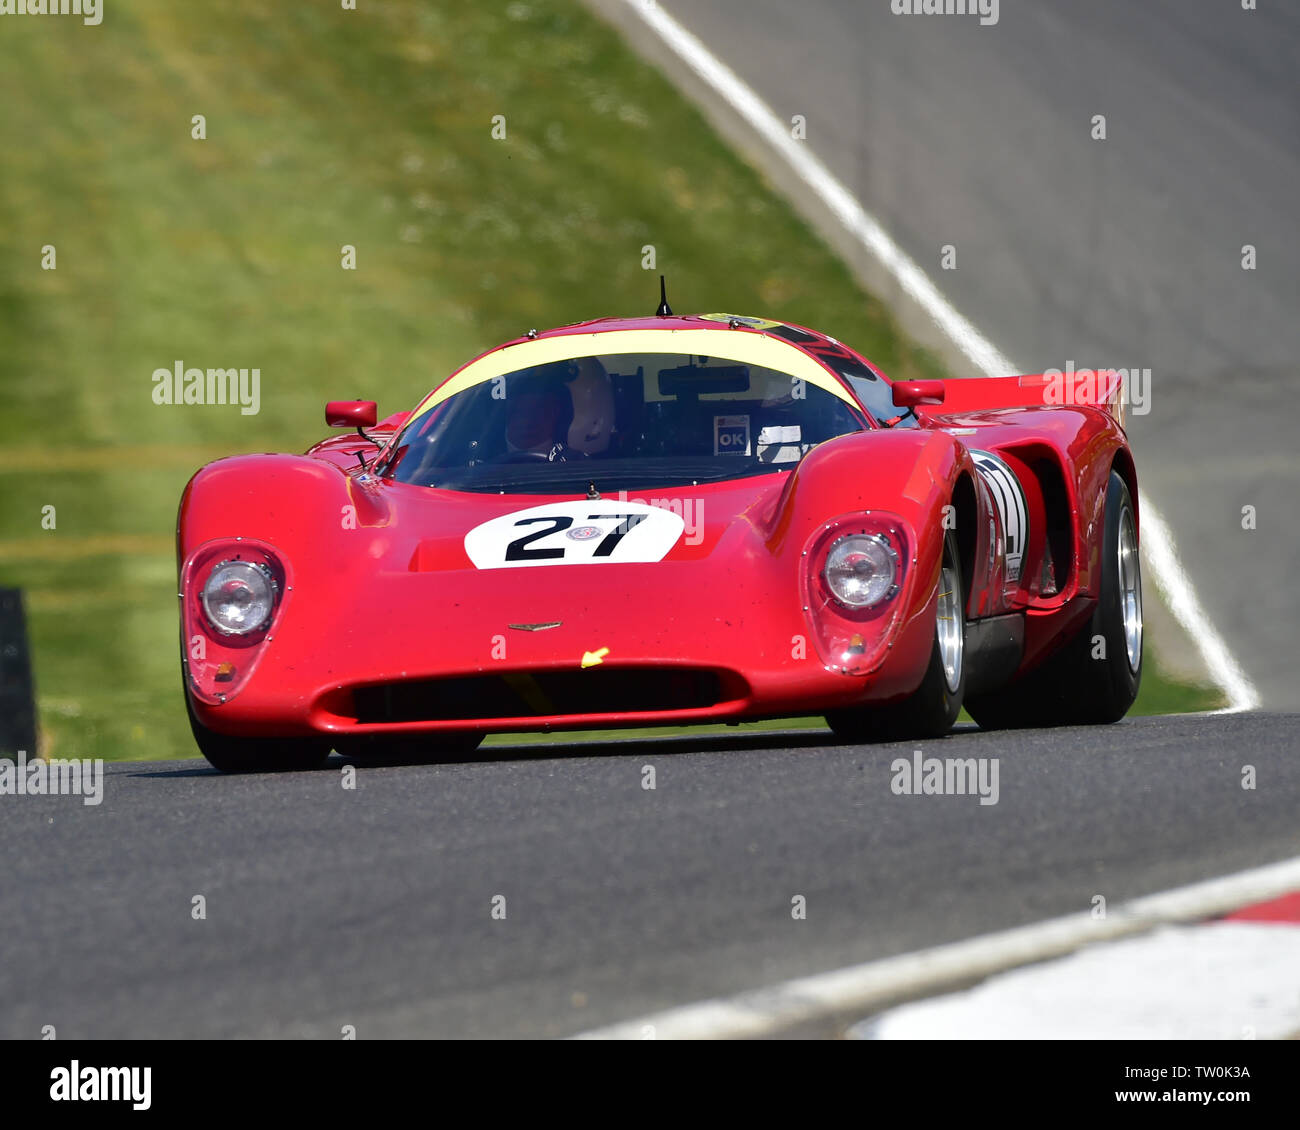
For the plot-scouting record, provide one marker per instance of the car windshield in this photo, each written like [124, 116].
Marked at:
[623, 422]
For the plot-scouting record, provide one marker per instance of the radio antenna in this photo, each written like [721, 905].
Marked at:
[664, 311]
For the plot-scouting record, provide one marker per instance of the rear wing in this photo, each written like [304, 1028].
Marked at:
[1099, 388]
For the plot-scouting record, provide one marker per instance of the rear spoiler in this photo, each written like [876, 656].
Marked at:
[1100, 388]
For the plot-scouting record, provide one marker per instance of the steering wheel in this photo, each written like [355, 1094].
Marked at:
[558, 454]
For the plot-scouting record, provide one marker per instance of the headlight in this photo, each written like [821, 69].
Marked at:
[239, 597]
[861, 570]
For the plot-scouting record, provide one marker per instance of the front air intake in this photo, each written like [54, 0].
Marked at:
[540, 694]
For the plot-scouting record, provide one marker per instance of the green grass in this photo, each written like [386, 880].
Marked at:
[324, 127]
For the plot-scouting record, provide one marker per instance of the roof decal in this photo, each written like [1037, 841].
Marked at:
[744, 320]
[753, 349]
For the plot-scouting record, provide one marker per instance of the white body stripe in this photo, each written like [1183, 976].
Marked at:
[1012, 508]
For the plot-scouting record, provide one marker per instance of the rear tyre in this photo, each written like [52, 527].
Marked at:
[1095, 677]
[931, 710]
[256, 755]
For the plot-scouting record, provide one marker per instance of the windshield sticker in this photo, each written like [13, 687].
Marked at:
[730, 435]
[575, 533]
[780, 444]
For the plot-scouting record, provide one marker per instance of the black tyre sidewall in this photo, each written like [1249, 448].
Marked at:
[1115, 685]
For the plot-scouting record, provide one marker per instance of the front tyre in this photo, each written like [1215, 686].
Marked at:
[255, 755]
[1094, 678]
[931, 710]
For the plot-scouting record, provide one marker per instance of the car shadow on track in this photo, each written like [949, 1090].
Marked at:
[538, 751]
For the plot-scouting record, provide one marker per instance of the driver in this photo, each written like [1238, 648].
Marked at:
[559, 419]
[536, 413]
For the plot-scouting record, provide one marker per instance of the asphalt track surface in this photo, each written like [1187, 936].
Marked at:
[373, 906]
[1125, 252]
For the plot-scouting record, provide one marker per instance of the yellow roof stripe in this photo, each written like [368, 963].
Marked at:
[749, 348]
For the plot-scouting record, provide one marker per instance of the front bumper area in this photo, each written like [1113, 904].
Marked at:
[409, 658]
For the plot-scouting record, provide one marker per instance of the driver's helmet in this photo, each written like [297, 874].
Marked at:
[568, 405]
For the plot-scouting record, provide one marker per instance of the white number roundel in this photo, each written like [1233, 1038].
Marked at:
[575, 533]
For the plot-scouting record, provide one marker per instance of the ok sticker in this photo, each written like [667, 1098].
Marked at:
[730, 435]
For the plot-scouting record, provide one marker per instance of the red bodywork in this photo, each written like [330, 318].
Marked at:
[384, 626]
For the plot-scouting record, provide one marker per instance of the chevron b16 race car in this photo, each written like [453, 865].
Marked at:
[665, 520]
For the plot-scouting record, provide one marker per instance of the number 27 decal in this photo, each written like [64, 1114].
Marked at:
[519, 549]
[574, 533]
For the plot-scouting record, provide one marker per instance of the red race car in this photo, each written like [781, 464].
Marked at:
[664, 520]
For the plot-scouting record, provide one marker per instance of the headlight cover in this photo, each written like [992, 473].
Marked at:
[239, 597]
[861, 570]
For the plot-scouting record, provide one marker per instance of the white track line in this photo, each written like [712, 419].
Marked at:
[859, 988]
[1183, 602]
[1157, 540]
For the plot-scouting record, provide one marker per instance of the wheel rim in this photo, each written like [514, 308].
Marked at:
[1130, 590]
[952, 639]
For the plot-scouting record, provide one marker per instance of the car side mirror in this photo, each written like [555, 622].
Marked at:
[351, 413]
[908, 394]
